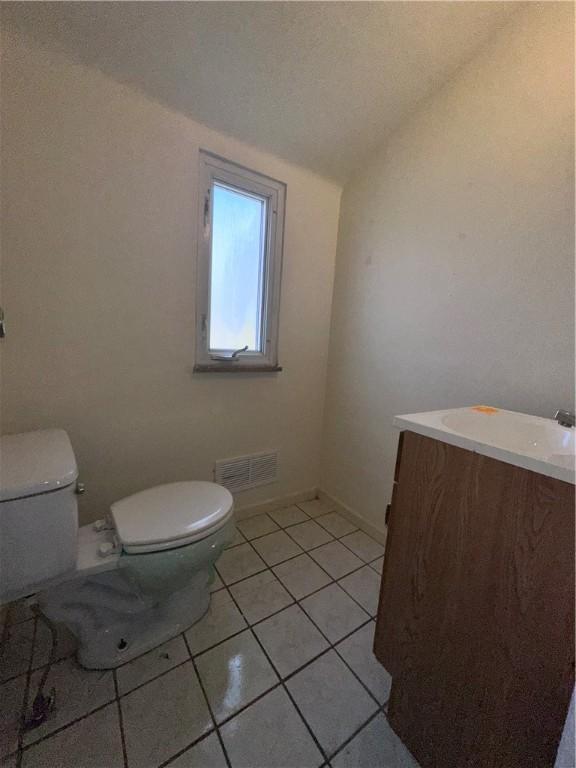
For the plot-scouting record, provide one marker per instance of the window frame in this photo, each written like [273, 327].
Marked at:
[216, 169]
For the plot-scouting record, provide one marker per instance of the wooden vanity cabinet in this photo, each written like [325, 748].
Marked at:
[476, 613]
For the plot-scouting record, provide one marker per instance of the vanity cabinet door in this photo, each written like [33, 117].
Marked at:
[476, 616]
[422, 542]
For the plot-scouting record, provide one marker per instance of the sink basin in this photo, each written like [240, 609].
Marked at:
[531, 442]
[514, 431]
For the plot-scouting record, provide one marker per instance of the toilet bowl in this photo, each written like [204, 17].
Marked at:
[124, 584]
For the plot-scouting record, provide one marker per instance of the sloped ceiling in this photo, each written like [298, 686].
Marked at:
[320, 84]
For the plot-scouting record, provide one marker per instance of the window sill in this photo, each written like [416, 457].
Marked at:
[235, 368]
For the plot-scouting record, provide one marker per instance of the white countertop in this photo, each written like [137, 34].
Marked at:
[531, 442]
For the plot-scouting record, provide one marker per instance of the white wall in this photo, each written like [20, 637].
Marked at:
[98, 260]
[455, 267]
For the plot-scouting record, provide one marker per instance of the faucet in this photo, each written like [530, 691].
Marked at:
[565, 418]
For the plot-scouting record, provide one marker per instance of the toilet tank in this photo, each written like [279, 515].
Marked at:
[38, 511]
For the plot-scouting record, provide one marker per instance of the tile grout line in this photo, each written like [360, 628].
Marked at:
[304, 552]
[213, 718]
[283, 680]
[304, 597]
[279, 527]
[292, 525]
[27, 689]
[217, 644]
[250, 624]
[120, 718]
[381, 707]
[39, 668]
[327, 585]
[224, 587]
[155, 677]
[356, 732]
[285, 689]
[61, 728]
[281, 683]
[216, 726]
[331, 646]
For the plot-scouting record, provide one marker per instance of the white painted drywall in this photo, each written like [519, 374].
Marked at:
[455, 267]
[98, 257]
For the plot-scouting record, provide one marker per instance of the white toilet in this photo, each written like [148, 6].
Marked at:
[124, 584]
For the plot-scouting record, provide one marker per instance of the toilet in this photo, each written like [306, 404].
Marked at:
[124, 584]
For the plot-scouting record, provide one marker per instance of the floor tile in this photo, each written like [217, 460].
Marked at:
[238, 563]
[207, 753]
[163, 717]
[151, 664]
[78, 691]
[309, 535]
[378, 565]
[336, 559]
[238, 539]
[11, 703]
[334, 612]
[19, 611]
[301, 576]
[259, 525]
[276, 547]
[375, 745]
[331, 699]
[83, 744]
[270, 734]
[357, 652]
[260, 595]
[315, 508]
[220, 621]
[288, 516]
[16, 649]
[66, 647]
[290, 639]
[364, 587]
[364, 546]
[336, 524]
[234, 674]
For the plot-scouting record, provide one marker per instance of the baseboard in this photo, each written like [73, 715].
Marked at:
[376, 533]
[278, 502]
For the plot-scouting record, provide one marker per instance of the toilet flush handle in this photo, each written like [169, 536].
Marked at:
[80, 488]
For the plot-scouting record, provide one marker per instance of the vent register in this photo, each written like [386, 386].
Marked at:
[245, 472]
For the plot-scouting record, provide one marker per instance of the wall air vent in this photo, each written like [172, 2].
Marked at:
[245, 472]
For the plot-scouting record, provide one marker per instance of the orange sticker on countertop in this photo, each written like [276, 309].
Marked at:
[484, 409]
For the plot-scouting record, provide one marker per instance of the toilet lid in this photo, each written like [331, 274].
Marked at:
[170, 514]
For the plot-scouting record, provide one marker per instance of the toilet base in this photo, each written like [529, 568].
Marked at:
[127, 625]
[140, 603]
[119, 643]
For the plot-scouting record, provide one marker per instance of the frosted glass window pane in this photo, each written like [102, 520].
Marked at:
[238, 238]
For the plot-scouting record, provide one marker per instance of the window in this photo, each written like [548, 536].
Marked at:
[239, 268]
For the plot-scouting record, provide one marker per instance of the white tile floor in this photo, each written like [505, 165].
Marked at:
[278, 674]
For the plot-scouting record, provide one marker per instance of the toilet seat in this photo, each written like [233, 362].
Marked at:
[169, 516]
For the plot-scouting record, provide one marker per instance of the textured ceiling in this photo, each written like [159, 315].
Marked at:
[319, 83]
